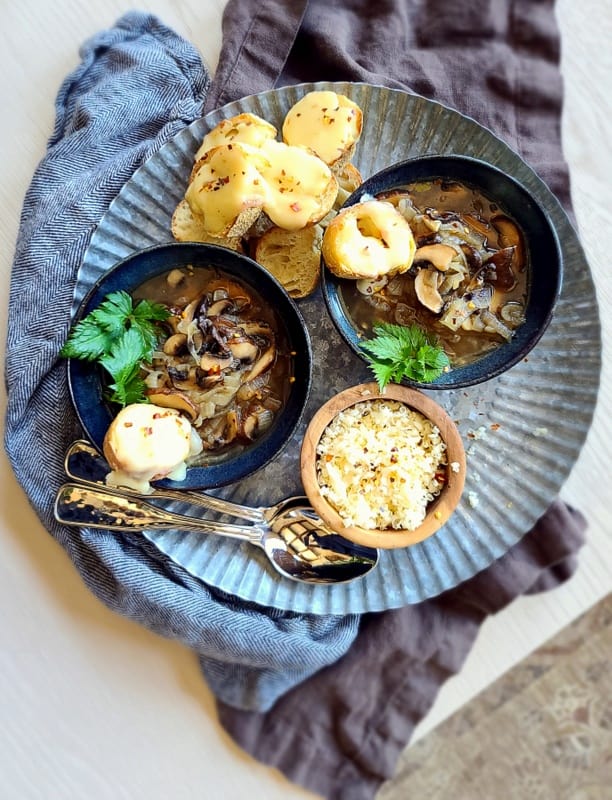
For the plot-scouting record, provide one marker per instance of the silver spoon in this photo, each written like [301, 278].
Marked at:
[84, 463]
[293, 537]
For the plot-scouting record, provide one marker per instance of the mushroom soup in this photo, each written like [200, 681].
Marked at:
[468, 283]
[223, 359]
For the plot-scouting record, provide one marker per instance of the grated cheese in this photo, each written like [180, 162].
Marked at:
[377, 463]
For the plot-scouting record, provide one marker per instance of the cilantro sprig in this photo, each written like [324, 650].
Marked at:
[404, 351]
[120, 336]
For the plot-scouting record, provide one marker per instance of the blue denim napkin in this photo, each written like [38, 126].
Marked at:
[137, 85]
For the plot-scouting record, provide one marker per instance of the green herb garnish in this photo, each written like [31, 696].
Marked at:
[404, 351]
[120, 336]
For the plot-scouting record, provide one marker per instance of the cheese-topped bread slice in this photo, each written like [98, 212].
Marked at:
[244, 128]
[227, 190]
[327, 123]
[368, 240]
[187, 227]
[300, 187]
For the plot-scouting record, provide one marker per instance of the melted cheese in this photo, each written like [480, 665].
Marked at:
[146, 442]
[327, 123]
[226, 182]
[300, 186]
[244, 128]
[368, 240]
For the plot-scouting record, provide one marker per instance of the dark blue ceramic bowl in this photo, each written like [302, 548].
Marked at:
[545, 263]
[86, 380]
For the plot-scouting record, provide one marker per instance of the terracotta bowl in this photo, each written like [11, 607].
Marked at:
[438, 511]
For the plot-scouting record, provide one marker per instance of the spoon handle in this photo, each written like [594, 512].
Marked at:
[83, 463]
[98, 507]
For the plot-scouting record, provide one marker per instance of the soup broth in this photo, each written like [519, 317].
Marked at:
[223, 358]
[468, 284]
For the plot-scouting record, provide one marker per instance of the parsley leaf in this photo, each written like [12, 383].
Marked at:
[120, 336]
[399, 351]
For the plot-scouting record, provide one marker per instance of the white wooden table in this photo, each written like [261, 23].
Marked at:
[94, 706]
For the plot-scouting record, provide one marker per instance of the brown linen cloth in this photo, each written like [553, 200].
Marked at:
[340, 732]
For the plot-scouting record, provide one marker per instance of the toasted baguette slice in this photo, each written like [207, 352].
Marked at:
[262, 225]
[349, 179]
[226, 189]
[245, 128]
[368, 240]
[301, 188]
[327, 123]
[186, 227]
[292, 257]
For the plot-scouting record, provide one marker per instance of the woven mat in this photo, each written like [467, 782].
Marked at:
[542, 731]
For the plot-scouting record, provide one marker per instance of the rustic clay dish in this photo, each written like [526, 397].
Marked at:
[438, 511]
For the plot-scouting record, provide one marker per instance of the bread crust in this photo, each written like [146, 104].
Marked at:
[292, 257]
[187, 227]
[328, 123]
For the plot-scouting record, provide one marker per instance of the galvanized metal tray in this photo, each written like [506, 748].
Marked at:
[523, 431]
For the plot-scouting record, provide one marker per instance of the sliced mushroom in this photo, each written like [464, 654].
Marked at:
[264, 362]
[170, 398]
[250, 426]
[230, 430]
[205, 381]
[370, 286]
[215, 362]
[472, 256]
[502, 276]
[478, 225]
[175, 277]
[428, 238]
[243, 349]
[510, 236]
[219, 306]
[513, 313]
[175, 344]
[426, 288]
[257, 328]
[439, 255]
[183, 378]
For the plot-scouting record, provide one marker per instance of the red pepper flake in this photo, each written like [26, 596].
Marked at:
[495, 426]
[128, 424]
[295, 207]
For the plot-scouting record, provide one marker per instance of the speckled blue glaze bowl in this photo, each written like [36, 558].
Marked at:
[544, 259]
[86, 381]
